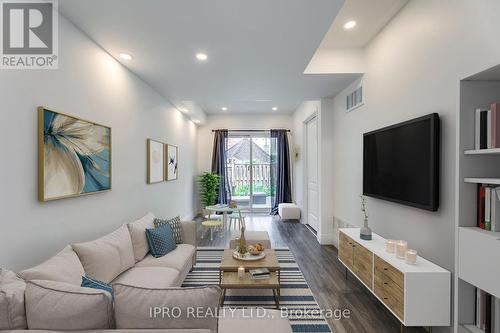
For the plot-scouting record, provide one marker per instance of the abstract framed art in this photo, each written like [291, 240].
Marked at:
[172, 167]
[156, 160]
[74, 156]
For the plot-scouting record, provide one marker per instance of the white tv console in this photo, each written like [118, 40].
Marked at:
[418, 295]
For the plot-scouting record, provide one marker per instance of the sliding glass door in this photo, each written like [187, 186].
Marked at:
[248, 164]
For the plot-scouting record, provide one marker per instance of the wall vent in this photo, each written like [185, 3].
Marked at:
[354, 99]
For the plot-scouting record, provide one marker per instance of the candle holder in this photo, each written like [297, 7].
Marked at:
[401, 247]
[411, 257]
[390, 246]
[241, 272]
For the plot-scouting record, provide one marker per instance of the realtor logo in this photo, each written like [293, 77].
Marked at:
[29, 34]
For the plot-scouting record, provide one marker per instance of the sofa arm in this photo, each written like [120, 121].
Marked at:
[189, 236]
[189, 232]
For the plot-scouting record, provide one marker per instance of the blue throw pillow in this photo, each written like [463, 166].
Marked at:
[96, 284]
[161, 240]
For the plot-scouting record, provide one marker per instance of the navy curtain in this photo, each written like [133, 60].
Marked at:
[219, 165]
[281, 185]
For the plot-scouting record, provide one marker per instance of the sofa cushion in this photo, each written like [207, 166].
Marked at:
[12, 313]
[150, 277]
[63, 267]
[105, 258]
[178, 258]
[254, 320]
[161, 240]
[133, 306]
[52, 305]
[175, 224]
[137, 231]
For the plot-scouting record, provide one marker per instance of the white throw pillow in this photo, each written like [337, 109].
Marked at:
[107, 257]
[12, 313]
[133, 306]
[63, 267]
[137, 231]
[52, 305]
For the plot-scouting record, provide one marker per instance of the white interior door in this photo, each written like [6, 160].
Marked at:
[312, 173]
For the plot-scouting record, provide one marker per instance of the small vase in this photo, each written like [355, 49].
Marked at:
[365, 232]
[242, 249]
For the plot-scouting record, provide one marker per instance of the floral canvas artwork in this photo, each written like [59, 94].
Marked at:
[74, 156]
[172, 162]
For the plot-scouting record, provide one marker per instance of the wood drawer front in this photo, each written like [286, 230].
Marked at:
[389, 271]
[393, 299]
[385, 286]
[363, 264]
[346, 251]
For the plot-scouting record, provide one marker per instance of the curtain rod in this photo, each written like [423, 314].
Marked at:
[254, 130]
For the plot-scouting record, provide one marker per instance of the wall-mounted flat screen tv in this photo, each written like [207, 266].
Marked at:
[401, 163]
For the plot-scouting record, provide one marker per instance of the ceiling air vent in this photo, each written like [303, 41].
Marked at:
[354, 99]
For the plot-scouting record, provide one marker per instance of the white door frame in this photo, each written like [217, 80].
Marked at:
[305, 185]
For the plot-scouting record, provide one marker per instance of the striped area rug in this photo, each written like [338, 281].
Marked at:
[296, 297]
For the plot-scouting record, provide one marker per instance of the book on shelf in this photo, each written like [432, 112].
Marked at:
[488, 207]
[495, 125]
[487, 127]
[487, 316]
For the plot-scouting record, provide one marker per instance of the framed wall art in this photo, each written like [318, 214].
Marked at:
[74, 156]
[156, 162]
[172, 166]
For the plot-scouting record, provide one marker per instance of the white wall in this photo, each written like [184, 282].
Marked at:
[323, 109]
[92, 85]
[413, 68]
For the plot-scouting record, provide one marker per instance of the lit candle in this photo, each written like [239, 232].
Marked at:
[390, 246]
[241, 272]
[401, 247]
[411, 257]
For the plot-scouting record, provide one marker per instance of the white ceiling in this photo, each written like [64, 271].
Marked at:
[257, 50]
[371, 17]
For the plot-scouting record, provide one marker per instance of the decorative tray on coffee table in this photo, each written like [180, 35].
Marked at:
[248, 256]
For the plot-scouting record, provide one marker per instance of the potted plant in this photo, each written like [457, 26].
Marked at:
[208, 187]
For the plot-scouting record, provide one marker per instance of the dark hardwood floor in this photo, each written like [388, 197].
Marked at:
[325, 275]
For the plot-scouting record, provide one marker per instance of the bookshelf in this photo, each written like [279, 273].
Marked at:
[482, 151]
[491, 181]
[475, 248]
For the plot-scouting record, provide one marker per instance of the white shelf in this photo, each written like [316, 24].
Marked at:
[472, 329]
[492, 234]
[492, 151]
[493, 181]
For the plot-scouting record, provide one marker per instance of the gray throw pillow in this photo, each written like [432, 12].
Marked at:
[175, 224]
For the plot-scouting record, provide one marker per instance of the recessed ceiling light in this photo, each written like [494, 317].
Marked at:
[349, 25]
[201, 56]
[224, 108]
[274, 108]
[196, 121]
[125, 56]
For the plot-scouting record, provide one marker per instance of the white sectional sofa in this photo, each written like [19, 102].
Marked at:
[49, 297]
